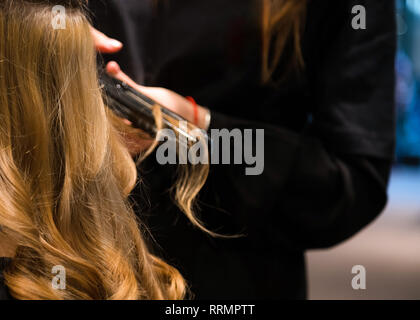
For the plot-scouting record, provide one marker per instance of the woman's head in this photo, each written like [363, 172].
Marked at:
[52, 98]
[64, 172]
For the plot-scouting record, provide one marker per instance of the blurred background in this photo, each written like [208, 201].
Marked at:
[389, 248]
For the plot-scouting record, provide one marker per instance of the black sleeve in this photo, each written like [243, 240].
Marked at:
[322, 186]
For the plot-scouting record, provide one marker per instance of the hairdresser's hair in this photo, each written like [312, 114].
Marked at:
[65, 174]
[282, 26]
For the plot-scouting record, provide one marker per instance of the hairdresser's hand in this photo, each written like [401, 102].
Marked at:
[105, 44]
[165, 97]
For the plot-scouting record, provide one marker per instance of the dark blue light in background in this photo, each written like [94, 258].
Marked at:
[408, 82]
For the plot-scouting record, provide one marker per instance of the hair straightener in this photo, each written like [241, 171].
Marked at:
[136, 107]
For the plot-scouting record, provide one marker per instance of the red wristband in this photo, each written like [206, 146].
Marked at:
[195, 106]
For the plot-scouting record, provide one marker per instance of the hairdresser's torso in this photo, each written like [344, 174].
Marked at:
[211, 50]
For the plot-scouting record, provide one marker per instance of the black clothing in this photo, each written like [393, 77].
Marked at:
[4, 292]
[329, 134]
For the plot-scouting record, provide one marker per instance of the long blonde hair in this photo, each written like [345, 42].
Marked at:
[64, 172]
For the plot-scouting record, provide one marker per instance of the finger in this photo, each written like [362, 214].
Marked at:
[114, 70]
[127, 122]
[105, 44]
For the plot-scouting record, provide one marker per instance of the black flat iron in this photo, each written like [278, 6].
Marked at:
[136, 107]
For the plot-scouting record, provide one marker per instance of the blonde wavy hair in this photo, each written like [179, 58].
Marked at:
[65, 173]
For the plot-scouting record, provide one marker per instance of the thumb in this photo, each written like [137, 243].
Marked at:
[157, 94]
[105, 44]
[114, 70]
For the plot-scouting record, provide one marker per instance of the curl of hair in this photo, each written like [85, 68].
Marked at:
[65, 173]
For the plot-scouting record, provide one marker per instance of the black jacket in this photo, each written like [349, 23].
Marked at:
[329, 135]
